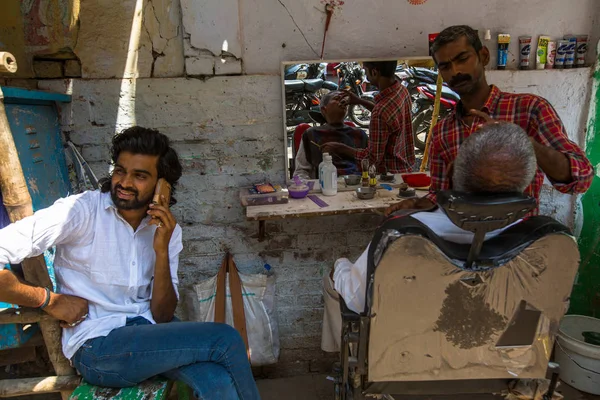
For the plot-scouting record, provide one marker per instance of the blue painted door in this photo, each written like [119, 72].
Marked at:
[36, 131]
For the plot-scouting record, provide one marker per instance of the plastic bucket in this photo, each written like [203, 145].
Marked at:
[579, 361]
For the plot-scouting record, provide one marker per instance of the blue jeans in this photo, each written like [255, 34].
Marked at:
[210, 358]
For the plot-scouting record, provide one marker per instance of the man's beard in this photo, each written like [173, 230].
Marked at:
[134, 204]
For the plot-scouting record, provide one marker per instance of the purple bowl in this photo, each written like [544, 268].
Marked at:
[298, 192]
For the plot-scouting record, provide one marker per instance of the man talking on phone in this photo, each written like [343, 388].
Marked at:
[117, 254]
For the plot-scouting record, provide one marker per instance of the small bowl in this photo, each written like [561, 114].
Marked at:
[298, 192]
[386, 178]
[365, 193]
[417, 180]
[352, 180]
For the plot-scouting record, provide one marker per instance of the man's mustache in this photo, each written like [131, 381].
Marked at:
[131, 190]
[458, 79]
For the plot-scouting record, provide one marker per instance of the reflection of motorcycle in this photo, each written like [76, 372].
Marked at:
[422, 110]
[351, 77]
[411, 76]
[306, 71]
[421, 84]
[301, 96]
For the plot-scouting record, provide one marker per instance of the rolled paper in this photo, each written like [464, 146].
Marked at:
[8, 62]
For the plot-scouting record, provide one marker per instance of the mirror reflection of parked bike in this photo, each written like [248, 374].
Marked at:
[421, 84]
[303, 95]
[306, 71]
[422, 110]
[351, 78]
[411, 77]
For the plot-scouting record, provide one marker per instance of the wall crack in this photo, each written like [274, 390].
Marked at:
[299, 30]
[151, 4]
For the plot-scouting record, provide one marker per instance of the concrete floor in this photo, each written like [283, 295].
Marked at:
[304, 387]
[317, 387]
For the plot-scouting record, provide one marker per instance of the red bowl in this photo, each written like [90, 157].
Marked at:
[417, 180]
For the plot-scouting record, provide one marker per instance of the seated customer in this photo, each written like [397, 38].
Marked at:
[499, 158]
[117, 256]
[309, 155]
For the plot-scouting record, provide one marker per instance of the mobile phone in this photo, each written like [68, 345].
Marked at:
[163, 188]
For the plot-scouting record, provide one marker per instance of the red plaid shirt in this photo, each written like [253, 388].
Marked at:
[391, 144]
[532, 113]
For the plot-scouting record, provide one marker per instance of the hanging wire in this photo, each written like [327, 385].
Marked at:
[87, 180]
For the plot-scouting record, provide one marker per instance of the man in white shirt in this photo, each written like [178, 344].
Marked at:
[117, 254]
[499, 158]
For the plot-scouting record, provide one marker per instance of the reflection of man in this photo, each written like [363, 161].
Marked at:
[391, 147]
[498, 159]
[461, 59]
[116, 266]
[309, 155]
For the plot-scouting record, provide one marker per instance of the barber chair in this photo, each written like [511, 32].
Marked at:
[444, 318]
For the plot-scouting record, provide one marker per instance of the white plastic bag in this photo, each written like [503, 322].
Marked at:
[258, 294]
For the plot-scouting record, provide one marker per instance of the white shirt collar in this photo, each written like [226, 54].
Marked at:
[107, 203]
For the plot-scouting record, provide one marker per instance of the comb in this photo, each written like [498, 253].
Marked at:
[318, 201]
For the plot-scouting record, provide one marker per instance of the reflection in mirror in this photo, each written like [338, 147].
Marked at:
[311, 92]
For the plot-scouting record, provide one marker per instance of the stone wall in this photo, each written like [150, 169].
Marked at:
[170, 38]
[206, 74]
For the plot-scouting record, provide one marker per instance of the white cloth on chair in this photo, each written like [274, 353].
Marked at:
[332, 319]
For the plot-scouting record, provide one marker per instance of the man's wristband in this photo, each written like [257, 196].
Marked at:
[46, 300]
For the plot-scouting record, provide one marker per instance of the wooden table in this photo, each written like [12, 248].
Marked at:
[344, 202]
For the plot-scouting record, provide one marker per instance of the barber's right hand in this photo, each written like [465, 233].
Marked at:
[69, 310]
[350, 97]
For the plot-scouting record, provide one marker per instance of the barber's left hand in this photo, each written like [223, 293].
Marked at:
[338, 149]
[165, 224]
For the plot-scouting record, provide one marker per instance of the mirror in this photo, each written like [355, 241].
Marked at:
[306, 82]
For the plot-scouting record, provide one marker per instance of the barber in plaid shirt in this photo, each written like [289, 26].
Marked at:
[461, 59]
[391, 147]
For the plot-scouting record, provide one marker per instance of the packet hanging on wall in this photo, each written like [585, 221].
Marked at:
[263, 188]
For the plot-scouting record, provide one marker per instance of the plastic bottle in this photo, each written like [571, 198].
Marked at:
[372, 176]
[319, 174]
[365, 173]
[329, 177]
